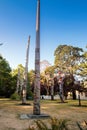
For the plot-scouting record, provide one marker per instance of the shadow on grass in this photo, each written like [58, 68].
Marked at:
[23, 104]
[75, 105]
[62, 102]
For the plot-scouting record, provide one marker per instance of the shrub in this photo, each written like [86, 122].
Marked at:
[82, 128]
[55, 124]
[15, 96]
[29, 95]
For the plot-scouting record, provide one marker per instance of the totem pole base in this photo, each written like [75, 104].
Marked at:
[32, 116]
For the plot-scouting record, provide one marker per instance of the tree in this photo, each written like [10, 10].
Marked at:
[31, 76]
[49, 76]
[15, 71]
[83, 67]
[6, 86]
[50, 70]
[67, 59]
[4, 65]
[68, 84]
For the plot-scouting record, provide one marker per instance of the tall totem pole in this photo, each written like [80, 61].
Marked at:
[25, 80]
[36, 108]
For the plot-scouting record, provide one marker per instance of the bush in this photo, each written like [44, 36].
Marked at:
[15, 96]
[82, 128]
[29, 95]
[54, 124]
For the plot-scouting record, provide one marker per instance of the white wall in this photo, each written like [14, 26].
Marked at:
[82, 95]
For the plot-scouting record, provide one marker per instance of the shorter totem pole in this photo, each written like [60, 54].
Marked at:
[25, 80]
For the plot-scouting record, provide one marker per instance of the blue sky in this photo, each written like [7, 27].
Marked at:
[62, 22]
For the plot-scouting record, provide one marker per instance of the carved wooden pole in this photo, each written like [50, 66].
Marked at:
[36, 108]
[18, 81]
[25, 74]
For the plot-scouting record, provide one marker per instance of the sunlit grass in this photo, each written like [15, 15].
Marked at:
[68, 110]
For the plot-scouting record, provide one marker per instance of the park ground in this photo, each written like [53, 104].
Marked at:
[10, 113]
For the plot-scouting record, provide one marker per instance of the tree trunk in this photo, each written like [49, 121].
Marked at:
[52, 91]
[61, 92]
[79, 99]
[74, 95]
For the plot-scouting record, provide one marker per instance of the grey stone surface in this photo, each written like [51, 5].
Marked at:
[32, 116]
[24, 116]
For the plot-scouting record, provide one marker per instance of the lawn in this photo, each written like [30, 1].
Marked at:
[10, 113]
